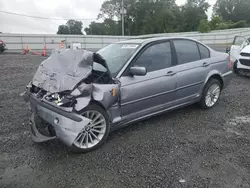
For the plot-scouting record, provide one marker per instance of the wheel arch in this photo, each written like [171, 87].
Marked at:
[103, 107]
[98, 104]
[215, 75]
[112, 113]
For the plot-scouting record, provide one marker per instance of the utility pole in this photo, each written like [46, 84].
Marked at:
[122, 12]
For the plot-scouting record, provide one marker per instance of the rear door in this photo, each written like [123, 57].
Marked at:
[238, 44]
[192, 69]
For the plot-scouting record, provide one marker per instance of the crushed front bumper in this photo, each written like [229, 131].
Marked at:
[67, 124]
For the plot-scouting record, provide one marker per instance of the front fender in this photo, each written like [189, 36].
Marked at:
[106, 94]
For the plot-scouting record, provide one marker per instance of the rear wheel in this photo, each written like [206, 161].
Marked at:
[211, 93]
[95, 133]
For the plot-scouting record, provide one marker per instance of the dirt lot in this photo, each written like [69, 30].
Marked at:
[189, 147]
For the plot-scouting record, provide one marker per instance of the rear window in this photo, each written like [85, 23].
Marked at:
[204, 52]
[187, 51]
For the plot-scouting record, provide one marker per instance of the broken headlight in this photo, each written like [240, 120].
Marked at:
[61, 99]
[68, 98]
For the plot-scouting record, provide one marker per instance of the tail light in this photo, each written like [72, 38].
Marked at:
[230, 64]
[1, 42]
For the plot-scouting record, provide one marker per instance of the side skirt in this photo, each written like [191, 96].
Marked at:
[126, 122]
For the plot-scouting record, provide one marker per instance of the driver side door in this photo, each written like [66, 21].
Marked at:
[143, 95]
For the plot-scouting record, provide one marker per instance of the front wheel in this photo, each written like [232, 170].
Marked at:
[95, 133]
[211, 93]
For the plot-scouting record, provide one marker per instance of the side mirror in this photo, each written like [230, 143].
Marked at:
[138, 71]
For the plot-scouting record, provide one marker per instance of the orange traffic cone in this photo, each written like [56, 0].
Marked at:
[26, 50]
[44, 53]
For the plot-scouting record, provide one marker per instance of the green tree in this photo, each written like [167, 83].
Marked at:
[235, 10]
[193, 12]
[225, 8]
[63, 30]
[72, 27]
[149, 16]
[108, 27]
[215, 22]
[204, 26]
[144, 16]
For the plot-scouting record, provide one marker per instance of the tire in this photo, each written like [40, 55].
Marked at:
[235, 69]
[90, 130]
[210, 85]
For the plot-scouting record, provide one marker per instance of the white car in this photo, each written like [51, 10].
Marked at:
[240, 55]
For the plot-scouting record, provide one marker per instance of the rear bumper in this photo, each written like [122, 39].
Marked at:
[67, 124]
[227, 77]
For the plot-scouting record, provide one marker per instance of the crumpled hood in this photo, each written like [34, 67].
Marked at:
[63, 70]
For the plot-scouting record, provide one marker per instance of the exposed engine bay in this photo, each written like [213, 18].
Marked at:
[60, 81]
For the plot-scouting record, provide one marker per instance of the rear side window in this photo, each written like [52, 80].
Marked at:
[204, 52]
[187, 51]
[156, 57]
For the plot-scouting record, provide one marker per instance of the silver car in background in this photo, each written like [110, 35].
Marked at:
[132, 80]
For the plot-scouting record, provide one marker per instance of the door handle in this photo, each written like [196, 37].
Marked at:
[170, 73]
[205, 64]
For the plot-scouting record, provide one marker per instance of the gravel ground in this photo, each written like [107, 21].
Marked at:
[189, 147]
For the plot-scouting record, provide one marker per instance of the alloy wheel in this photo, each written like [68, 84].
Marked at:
[212, 95]
[93, 132]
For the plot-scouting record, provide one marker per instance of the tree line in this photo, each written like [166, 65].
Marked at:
[163, 16]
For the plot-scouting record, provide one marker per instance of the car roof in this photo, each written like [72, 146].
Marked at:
[152, 39]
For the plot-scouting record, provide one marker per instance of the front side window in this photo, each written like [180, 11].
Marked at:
[155, 57]
[116, 55]
[187, 51]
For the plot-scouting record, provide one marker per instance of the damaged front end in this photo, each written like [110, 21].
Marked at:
[64, 84]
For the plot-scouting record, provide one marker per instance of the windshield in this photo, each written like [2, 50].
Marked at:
[116, 55]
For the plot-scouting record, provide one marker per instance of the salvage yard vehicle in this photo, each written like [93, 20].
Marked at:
[79, 97]
[240, 55]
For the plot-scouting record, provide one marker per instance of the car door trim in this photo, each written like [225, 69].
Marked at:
[129, 84]
[156, 110]
[145, 98]
[162, 93]
[190, 85]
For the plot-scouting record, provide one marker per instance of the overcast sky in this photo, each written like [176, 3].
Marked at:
[82, 9]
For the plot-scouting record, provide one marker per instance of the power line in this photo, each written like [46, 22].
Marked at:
[45, 18]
